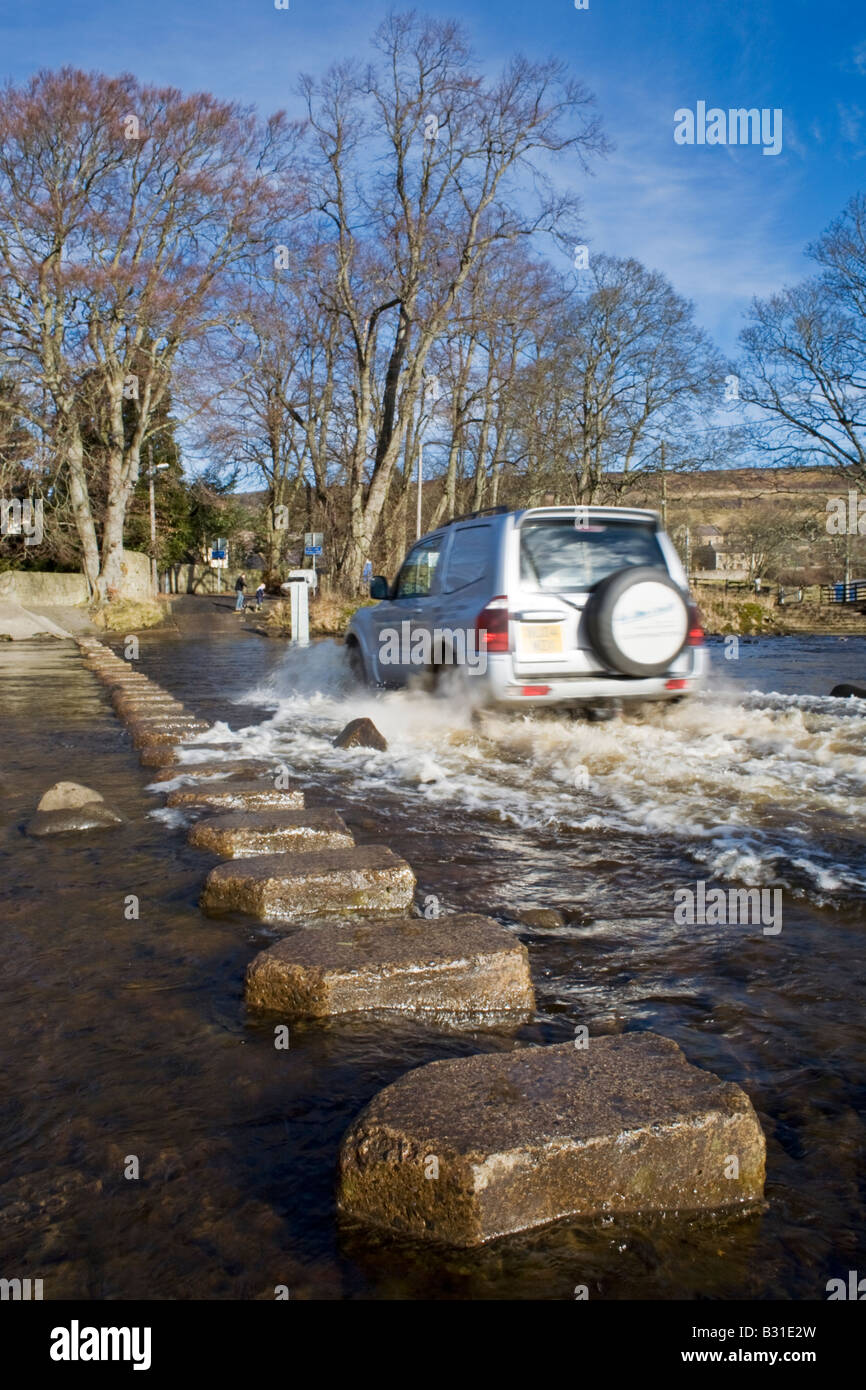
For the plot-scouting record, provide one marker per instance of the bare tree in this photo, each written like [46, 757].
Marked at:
[627, 371]
[124, 211]
[413, 171]
[805, 364]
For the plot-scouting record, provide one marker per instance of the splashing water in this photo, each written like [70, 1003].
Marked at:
[765, 789]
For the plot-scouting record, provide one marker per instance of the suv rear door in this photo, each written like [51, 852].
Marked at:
[561, 557]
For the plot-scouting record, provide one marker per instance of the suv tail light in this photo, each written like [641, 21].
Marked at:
[696, 627]
[491, 626]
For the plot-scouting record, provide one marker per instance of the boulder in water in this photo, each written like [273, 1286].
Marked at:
[847, 691]
[71, 806]
[68, 796]
[540, 918]
[361, 733]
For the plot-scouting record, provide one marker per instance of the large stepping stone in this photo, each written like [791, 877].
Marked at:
[259, 795]
[523, 1138]
[246, 833]
[318, 883]
[465, 964]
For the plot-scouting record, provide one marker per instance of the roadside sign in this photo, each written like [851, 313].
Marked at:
[312, 550]
[368, 570]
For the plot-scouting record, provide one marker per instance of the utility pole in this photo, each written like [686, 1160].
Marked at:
[664, 488]
[420, 479]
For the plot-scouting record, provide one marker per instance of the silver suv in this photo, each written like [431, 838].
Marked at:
[575, 606]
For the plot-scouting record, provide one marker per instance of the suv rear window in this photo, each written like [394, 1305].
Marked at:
[557, 555]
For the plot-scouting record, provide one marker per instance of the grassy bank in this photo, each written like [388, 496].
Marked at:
[329, 615]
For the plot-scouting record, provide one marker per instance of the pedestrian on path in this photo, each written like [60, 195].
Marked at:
[260, 596]
[240, 585]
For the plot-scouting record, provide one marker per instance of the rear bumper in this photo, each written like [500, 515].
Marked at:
[501, 686]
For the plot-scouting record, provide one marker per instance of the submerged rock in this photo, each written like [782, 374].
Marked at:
[540, 918]
[318, 883]
[455, 965]
[464, 1151]
[361, 733]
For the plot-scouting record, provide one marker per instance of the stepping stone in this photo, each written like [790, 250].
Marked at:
[270, 832]
[146, 733]
[465, 964]
[261, 795]
[131, 684]
[289, 887]
[241, 768]
[519, 1139]
[162, 754]
[146, 706]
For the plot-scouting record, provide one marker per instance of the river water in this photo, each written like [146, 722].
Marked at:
[127, 1038]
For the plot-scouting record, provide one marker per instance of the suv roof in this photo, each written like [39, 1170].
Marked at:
[642, 513]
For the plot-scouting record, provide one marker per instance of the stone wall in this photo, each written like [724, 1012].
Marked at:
[38, 587]
[33, 587]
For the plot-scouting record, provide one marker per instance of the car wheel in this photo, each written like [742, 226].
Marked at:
[638, 621]
[357, 667]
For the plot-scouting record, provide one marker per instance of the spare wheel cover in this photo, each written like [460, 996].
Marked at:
[639, 621]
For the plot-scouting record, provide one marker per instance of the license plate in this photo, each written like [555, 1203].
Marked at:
[541, 639]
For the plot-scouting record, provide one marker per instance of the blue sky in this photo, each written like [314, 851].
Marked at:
[723, 222]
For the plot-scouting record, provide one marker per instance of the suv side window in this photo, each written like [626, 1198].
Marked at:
[416, 577]
[469, 557]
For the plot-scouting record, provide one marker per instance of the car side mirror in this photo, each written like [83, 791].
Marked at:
[379, 587]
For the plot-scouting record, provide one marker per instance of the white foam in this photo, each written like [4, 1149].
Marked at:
[751, 786]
